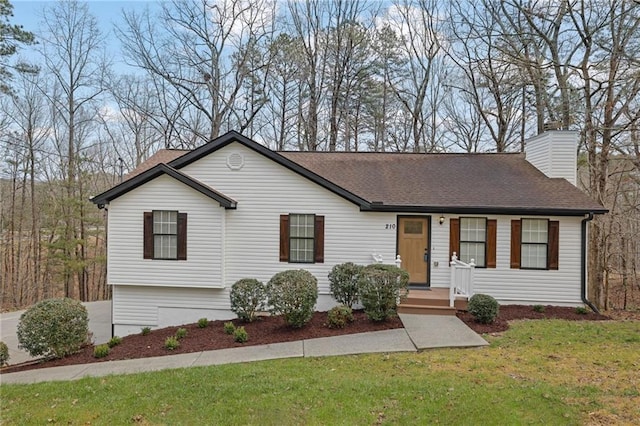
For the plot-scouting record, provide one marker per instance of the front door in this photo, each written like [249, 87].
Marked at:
[413, 248]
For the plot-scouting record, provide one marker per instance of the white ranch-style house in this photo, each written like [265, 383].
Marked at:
[188, 224]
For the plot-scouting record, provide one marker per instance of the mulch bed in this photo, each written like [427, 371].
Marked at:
[273, 329]
[515, 312]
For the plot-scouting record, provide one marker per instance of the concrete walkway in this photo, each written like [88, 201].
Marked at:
[420, 332]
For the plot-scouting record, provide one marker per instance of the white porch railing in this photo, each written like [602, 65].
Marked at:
[462, 278]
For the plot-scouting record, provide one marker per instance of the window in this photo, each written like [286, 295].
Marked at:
[535, 240]
[302, 238]
[534, 244]
[473, 238]
[165, 235]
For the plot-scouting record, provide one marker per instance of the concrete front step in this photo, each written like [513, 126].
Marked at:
[421, 309]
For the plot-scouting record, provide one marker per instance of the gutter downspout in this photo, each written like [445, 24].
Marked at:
[583, 263]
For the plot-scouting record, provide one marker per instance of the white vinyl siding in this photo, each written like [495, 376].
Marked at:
[265, 190]
[525, 286]
[125, 263]
[554, 154]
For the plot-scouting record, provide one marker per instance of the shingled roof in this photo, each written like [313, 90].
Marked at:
[407, 182]
[448, 182]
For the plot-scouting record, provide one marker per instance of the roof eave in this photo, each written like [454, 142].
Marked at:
[102, 199]
[523, 211]
[234, 136]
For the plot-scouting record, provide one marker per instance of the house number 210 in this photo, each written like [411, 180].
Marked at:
[390, 226]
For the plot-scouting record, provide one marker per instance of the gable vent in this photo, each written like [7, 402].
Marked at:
[235, 161]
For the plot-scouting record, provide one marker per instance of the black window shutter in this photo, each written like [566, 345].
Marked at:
[516, 226]
[454, 238]
[182, 236]
[554, 242]
[148, 235]
[492, 234]
[319, 239]
[284, 238]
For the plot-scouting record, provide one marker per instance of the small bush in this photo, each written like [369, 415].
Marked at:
[101, 351]
[181, 333]
[581, 310]
[247, 298]
[293, 294]
[240, 335]
[203, 323]
[538, 308]
[484, 308]
[4, 353]
[114, 341]
[339, 316]
[146, 330]
[229, 328]
[380, 287]
[54, 328]
[171, 343]
[343, 282]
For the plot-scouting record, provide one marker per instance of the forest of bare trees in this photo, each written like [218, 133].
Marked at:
[402, 75]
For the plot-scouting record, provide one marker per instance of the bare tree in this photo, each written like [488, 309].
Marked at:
[205, 51]
[72, 49]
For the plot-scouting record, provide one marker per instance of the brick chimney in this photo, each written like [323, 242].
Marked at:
[554, 153]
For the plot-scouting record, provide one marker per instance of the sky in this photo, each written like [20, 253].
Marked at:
[29, 14]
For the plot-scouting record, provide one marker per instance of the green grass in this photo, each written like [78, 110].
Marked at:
[539, 372]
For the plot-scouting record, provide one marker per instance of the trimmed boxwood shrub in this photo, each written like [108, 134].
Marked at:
[4, 353]
[54, 328]
[380, 287]
[293, 294]
[343, 283]
[339, 316]
[484, 308]
[247, 298]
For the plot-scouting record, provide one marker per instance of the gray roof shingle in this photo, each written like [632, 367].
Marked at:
[446, 181]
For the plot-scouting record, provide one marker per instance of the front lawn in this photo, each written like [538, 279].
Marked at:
[538, 372]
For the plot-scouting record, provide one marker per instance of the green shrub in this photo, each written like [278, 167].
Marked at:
[203, 323]
[229, 328]
[538, 308]
[114, 341]
[247, 298]
[293, 294]
[181, 333]
[581, 310]
[146, 330]
[380, 287]
[343, 282]
[484, 308]
[240, 335]
[171, 343]
[339, 316]
[4, 353]
[54, 328]
[101, 351]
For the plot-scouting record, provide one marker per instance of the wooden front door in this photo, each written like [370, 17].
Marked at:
[413, 248]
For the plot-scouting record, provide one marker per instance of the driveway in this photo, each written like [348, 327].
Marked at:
[99, 325]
